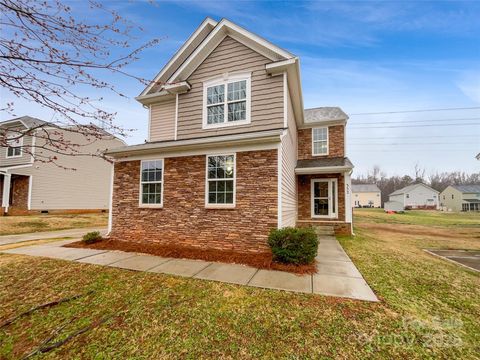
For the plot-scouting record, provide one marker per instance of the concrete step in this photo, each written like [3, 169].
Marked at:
[324, 230]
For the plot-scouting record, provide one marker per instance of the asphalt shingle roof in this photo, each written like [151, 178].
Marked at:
[323, 114]
[409, 188]
[471, 188]
[360, 188]
[29, 121]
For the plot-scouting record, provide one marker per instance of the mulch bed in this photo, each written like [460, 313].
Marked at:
[258, 260]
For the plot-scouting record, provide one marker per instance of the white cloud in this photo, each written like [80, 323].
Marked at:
[469, 83]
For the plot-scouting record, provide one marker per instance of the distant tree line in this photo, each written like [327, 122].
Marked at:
[438, 181]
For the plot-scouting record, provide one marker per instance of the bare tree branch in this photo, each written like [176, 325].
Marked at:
[47, 53]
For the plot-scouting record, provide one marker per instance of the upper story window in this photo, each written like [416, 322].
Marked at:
[320, 141]
[14, 146]
[151, 183]
[226, 101]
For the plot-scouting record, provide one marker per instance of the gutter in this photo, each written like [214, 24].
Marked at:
[198, 143]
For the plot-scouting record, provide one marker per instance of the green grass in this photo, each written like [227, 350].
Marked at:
[419, 217]
[12, 225]
[429, 308]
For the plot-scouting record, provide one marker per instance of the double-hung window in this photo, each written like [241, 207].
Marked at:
[220, 180]
[320, 141]
[227, 101]
[15, 144]
[151, 183]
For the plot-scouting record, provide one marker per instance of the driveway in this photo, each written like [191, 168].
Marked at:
[467, 258]
[71, 233]
[336, 274]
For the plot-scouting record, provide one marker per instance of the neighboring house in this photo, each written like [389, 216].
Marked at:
[416, 196]
[461, 198]
[366, 195]
[231, 152]
[28, 185]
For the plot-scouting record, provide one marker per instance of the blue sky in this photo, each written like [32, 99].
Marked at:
[361, 56]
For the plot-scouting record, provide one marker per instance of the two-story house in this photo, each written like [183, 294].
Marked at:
[231, 153]
[29, 183]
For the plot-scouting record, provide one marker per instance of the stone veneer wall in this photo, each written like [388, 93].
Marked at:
[184, 220]
[336, 143]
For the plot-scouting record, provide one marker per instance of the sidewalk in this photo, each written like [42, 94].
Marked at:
[74, 233]
[336, 274]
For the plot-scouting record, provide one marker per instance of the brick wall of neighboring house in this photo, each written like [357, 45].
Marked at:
[184, 220]
[19, 193]
[336, 143]
[304, 196]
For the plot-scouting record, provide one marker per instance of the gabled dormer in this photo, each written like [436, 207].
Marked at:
[231, 82]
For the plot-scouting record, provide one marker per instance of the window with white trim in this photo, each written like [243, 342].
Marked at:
[151, 182]
[14, 144]
[220, 179]
[227, 101]
[320, 141]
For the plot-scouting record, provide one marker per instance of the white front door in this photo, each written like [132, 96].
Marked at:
[324, 195]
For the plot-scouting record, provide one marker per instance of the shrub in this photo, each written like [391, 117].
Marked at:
[293, 245]
[91, 237]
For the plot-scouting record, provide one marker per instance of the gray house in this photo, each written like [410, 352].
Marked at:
[415, 196]
[28, 185]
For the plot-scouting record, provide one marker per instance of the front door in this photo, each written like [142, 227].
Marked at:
[324, 198]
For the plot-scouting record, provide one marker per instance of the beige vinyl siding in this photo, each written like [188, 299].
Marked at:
[87, 187]
[162, 120]
[24, 159]
[454, 204]
[266, 92]
[289, 161]
[364, 198]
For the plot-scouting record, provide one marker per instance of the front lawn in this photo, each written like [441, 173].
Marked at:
[10, 225]
[419, 217]
[429, 307]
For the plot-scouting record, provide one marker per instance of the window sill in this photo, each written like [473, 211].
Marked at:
[227, 124]
[151, 206]
[219, 206]
[320, 154]
[326, 217]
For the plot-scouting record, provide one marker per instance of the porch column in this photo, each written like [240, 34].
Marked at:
[6, 191]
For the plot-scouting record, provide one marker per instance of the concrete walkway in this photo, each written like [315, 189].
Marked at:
[336, 274]
[73, 233]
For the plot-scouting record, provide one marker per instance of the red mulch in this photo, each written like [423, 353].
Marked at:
[258, 260]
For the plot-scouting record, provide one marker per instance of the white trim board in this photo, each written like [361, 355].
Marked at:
[208, 22]
[202, 151]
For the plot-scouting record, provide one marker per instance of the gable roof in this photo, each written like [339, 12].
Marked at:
[362, 188]
[324, 114]
[27, 121]
[409, 188]
[208, 39]
[181, 55]
[471, 188]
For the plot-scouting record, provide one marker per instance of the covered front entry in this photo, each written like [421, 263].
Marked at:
[324, 198]
[324, 193]
[14, 193]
